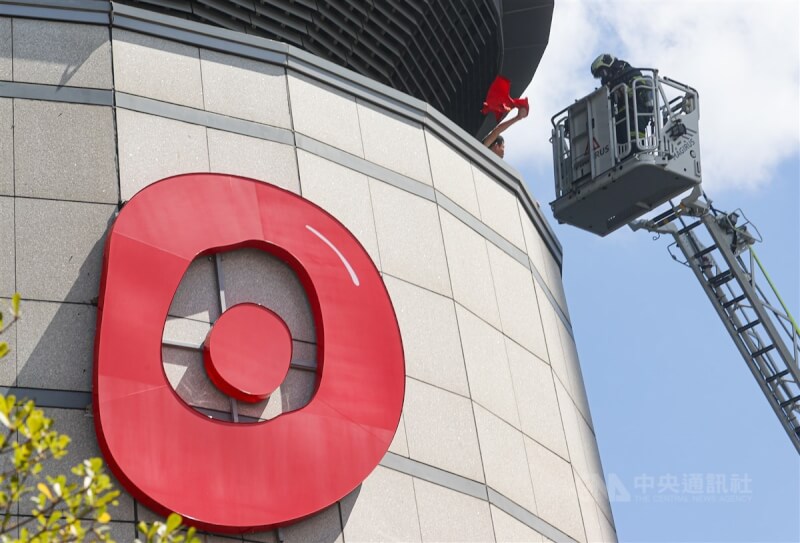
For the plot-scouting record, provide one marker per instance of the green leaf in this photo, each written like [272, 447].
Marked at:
[15, 304]
[4, 349]
[55, 517]
[44, 490]
[173, 522]
[35, 422]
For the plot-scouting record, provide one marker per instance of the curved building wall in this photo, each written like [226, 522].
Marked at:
[496, 438]
[446, 53]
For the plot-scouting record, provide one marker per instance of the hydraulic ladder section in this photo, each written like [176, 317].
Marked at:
[718, 249]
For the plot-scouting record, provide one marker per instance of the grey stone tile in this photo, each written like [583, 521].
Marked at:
[6, 145]
[399, 444]
[59, 248]
[5, 49]
[555, 282]
[536, 399]
[487, 366]
[452, 174]
[499, 208]
[254, 276]
[608, 529]
[324, 527]
[208, 537]
[345, 194]
[304, 353]
[8, 364]
[295, 392]
[245, 88]
[63, 54]
[517, 302]
[593, 478]
[554, 487]
[364, 166]
[187, 375]
[267, 161]
[604, 513]
[446, 515]
[504, 460]
[121, 531]
[64, 151]
[56, 346]
[437, 476]
[79, 426]
[198, 295]
[470, 273]
[14, 521]
[157, 68]
[325, 114]
[394, 142]
[550, 325]
[558, 358]
[410, 242]
[572, 430]
[146, 515]
[591, 524]
[185, 330]
[577, 390]
[383, 508]
[533, 242]
[510, 530]
[152, 148]
[440, 428]
[544, 263]
[270, 536]
[7, 250]
[431, 342]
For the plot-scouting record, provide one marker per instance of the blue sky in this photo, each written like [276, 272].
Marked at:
[673, 402]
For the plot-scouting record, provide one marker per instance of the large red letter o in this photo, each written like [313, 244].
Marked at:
[239, 477]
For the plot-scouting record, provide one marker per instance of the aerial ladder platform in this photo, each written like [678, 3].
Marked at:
[621, 152]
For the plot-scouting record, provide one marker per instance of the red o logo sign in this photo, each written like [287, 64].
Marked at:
[231, 477]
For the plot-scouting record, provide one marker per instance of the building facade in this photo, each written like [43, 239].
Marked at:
[99, 100]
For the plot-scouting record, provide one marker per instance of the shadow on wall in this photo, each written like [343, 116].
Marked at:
[56, 340]
[54, 53]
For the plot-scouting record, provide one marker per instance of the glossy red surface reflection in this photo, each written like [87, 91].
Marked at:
[240, 477]
[247, 352]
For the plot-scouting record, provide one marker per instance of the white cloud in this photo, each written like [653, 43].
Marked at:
[742, 56]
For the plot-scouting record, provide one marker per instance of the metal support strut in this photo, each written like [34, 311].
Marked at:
[719, 252]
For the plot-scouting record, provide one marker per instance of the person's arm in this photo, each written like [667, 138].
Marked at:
[500, 128]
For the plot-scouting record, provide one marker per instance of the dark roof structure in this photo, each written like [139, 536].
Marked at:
[444, 52]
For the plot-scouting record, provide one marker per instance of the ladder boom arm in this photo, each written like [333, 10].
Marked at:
[766, 337]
